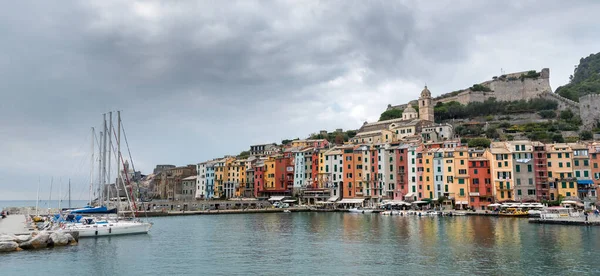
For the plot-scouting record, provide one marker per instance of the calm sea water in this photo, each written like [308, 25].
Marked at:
[325, 244]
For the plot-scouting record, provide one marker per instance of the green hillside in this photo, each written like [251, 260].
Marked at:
[585, 79]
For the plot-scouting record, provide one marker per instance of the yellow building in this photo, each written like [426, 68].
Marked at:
[461, 173]
[237, 176]
[269, 173]
[560, 170]
[428, 176]
[221, 175]
[501, 165]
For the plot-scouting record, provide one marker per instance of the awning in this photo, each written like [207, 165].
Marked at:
[473, 194]
[409, 195]
[351, 201]
[333, 199]
[420, 202]
[585, 182]
[395, 202]
[289, 201]
[462, 202]
[276, 198]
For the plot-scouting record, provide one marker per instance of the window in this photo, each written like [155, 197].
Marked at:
[529, 168]
[530, 181]
[462, 192]
[560, 155]
[571, 185]
[568, 164]
[567, 155]
[462, 162]
[499, 164]
[518, 168]
[576, 162]
[586, 174]
[560, 164]
[449, 169]
[518, 181]
[549, 164]
[577, 174]
[475, 171]
[518, 192]
[461, 181]
[586, 163]
[550, 174]
[564, 185]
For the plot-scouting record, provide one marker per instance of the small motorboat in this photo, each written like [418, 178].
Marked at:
[360, 210]
[287, 211]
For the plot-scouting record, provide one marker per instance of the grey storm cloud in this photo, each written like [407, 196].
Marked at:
[200, 79]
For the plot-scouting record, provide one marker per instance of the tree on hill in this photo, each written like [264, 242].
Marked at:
[390, 114]
[586, 135]
[479, 142]
[339, 139]
[244, 154]
[585, 79]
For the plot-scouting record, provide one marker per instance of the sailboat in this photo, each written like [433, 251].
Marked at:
[96, 226]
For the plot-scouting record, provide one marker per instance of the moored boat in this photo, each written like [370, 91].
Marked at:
[91, 227]
[360, 210]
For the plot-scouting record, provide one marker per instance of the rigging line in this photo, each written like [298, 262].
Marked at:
[133, 167]
[134, 209]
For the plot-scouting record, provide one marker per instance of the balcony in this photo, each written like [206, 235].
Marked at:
[504, 188]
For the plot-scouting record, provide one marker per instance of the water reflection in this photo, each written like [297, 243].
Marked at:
[326, 243]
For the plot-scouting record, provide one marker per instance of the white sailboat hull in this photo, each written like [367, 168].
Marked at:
[111, 229]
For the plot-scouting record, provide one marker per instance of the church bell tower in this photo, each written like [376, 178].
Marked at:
[426, 106]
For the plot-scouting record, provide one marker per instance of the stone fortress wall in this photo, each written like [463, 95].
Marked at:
[589, 110]
[510, 87]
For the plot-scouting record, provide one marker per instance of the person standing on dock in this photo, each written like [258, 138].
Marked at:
[586, 216]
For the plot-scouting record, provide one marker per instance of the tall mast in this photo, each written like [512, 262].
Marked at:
[50, 197]
[104, 158]
[119, 160]
[69, 193]
[59, 193]
[100, 194]
[37, 200]
[92, 168]
[110, 149]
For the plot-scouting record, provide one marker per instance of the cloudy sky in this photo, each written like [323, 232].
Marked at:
[199, 79]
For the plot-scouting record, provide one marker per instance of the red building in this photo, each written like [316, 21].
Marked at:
[481, 188]
[401, 157]
[540, 168]
[420, 181]
[259, 178]
[284, 173]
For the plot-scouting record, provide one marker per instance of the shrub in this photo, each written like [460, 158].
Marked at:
[479, 142]
[586, 135]
[547, 114]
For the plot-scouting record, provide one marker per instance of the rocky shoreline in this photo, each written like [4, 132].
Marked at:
[37, 240]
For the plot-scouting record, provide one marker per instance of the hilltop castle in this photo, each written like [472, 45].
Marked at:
[518, 86]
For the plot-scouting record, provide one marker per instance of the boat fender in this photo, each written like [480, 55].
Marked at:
[110, 230]
[96, 233]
